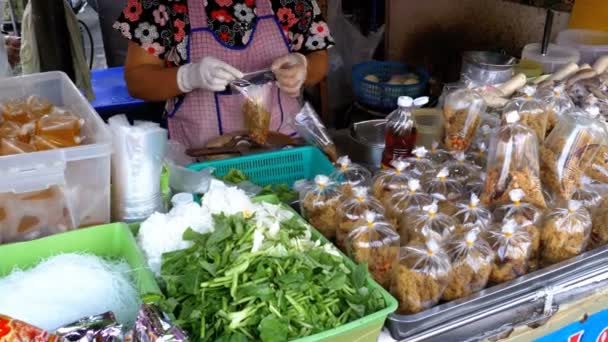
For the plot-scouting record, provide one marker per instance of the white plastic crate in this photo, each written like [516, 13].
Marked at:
[80, 174]
[591, 44]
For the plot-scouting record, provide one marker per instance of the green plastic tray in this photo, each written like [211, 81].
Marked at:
[272, 168]
[366, 329]
[110, 241]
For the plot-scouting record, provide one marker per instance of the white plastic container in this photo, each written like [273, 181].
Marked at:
[81, 174]
[590, 43]
[556, 56]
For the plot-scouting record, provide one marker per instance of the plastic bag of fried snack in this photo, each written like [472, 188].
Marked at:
[319, 205]
[438, 155]
[557, 103]
[532, 112]
[389, 181]
[426, 222]
[404, 200]
[586, 193]
[512, 245]
[351, 213]
[473, 213]
[376, 243]
[445, 188]
[421, 277]
[309, 126]
[350, 175]
[462, 113]
[461, 169]
[420, 163]
[256, 109]
[472, 259]
[599, 228]
[479, 155]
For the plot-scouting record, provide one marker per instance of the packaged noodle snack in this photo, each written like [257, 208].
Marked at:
[319, 205]
[445, 189]
[402, 201]
[389, 181]
[532, 112]
[427, 222]
[513, 164]
[472, 213]
[351, 213]
[598, 167]
[511, 245]
[462, 112]
[438, 155]
[375, 243]
[472, 258]
[350, 175]
[565, 233]
[421, 277]
[256, 109]
[420, 163]
[461, 169]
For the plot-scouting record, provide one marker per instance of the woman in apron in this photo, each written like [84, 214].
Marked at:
[188, 51]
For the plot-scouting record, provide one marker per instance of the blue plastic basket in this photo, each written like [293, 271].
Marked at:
[278, 167]
[380, 95]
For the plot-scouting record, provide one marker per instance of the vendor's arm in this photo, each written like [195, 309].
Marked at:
[147, 76]
[318, 65]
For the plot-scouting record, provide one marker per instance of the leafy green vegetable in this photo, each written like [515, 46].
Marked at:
[235, 176]
[220, 290]
[282, 191]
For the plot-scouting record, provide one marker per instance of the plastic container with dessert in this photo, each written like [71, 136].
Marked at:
[51, 190]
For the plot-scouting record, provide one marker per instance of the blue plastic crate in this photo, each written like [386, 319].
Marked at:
[111, 94]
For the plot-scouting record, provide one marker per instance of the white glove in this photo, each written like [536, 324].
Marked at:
[209, 74]
[290, 71]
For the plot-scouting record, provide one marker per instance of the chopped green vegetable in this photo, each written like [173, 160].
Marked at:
[235, 176]
[282, 191]
[290, 287]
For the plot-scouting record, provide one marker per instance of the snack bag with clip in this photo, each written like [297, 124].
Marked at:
[472, 213]
[256, 109]
[420, 163]
[445, 189]
[567, 153]
[427, 222]
[404, 200]
[350, 175]
[472, 259]
[351, 212]
[319, 205]
[461, 169]
[511, 245]
[389, 181]
[462, 112]
[557, 103]
[532, 112]
[310, 127]
[438, 155]
[565, 233]
[513, 164]
[375, 242]
[421, 277]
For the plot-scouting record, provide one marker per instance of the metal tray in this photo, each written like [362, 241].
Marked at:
[493, 312]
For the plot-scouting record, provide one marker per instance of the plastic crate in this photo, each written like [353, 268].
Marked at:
[110, 241]
[82, 173]
[380, 95]
[278, 167]
[111, 93]
[365, 329]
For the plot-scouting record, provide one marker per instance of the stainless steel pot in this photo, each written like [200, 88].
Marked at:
[487, 67]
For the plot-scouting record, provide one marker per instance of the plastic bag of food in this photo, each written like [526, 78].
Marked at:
[389, 181]
[438, 155]
[421, 277]
[479, 155]
[256, 109]
[599, 228]
[565, 233]
[350, 175]
[472, 259]
[16, 111]
[472, 213]
[427, 222]
[461, 169]
[532, 113]
[587, 193]
[23, 133]
[462, 113]
[557, 103]
[376, 243]
[568, 152]
[401, 201]
[598, 167]
[445, 189]
[485, 132]
[60, 129]
[319, 205]
[9, 146]
[310, 127]
[420, 163]
[513, 164]
[351, 213]
[512, 245]
[38, 107]
[476, 185]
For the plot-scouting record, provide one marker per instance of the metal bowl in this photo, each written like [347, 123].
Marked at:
[487, 67]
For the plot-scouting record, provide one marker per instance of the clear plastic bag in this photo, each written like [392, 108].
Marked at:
[479, 155]
[462, 113]
[461, 169]
[389, 181]
[16, 111]
[256, 109]
[60, 129]
[472, 213]
[39, 107]
[319, 205]
[310, 127]
[476, 185]
[427, 222]
[565, 233]
[532, 112]
[599, 229]
[513, 164]
[446, 189]
[557, 103]
[484, 133]
[568, 152]
[472, 259]
[351, 213]
[438, 155]
[512, 247]
[587, 194]
[9, 146]
[404, 200]
[376, 243]
[421, 277]
[420, 163]
[598, 167]
[350, 175]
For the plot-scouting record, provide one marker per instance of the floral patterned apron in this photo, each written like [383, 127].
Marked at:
[201, 114]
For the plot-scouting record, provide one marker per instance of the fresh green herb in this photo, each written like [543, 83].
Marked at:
[282, 191]
[235, 176]
[221, 290]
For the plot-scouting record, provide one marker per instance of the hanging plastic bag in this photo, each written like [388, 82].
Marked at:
[350, 213]
[511, 245]
[256, 109]
[319, 205]
[376, 243]
[310, 127]
[565, 233]
[472, 259]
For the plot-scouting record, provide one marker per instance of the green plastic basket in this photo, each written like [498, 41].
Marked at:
[366, 329]
[272, 168]
[110, 241]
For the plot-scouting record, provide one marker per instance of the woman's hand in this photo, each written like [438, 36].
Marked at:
[209, 74]
[290, 71]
